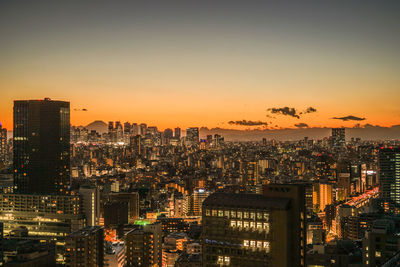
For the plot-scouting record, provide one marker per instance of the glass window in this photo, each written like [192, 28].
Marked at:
[252, 215]
[245, 243]
[259, 215]
[252, 243]
[208, 212]
[259, 244]
[233, 214]
[239, 214]
[227, 260]
[220, 213]
[226, 213]
[259, 225]
[252, 225]
[246, 224]
[239, 224]
[266, 227]
[220, 260]
[245, 215]
[266, 246]
[233, 223]
[266, 216]
[214, 212]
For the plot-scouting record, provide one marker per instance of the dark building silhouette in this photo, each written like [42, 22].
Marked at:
[389, 176]
[41, 146]
[254, 229]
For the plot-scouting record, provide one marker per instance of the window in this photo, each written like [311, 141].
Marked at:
[266, 227]
[208, 212]
[214, 212]
[239, 214]
[220, 213]
[227, 260]
[266, 246]
[266, 216]
[259, 244]
[245, 215]
[246, 224]
[233, 214]
[239, 224]
[252, 225]
[220, 260]
[252, 243]
[233, 223]
[259, 216]
[259, 225]
[226, 213]
[245, 243]
[252, 215]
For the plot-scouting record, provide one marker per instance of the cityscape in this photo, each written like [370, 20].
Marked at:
[268, 159]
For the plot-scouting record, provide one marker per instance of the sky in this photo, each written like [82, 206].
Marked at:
[226, 64]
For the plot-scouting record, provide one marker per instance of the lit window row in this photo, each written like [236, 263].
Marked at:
[250, 225]
[257, 244]
[224, 260]
[238, 214]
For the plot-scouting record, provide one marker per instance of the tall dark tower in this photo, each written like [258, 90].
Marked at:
[389, 176]
[41, 146]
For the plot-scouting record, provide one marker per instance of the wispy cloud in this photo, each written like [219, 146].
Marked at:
[287, 111]
[248, 123]
[301, 125]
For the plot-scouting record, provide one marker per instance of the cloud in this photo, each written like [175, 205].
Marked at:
[349, 118]
[248, 123]
[301, 125]
[80, 109]
[310, 110]
[285, 111]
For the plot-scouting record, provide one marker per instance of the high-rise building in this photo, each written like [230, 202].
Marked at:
[41, 146]
[338, 137]
[199, 195]
[389, 175]
[127, 128]
[90, 204]
[255, 229]
[116, 213]
[143, 129]
[3, 143]
[177, 133]
[85, 247]
[192, 135]
[132, 199]
[143, 245]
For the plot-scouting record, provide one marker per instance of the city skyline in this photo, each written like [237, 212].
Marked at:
[205, 64]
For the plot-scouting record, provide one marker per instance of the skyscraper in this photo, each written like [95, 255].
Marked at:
[41, 146]
[389, 175]
[338, 137]
[3, 143]
[177, 133]
[192, 135]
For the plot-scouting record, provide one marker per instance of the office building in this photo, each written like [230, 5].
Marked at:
[254, 229]
[3, 144]
[116, 213]
[199, 195]
[389, 175]
[192, 136]
[338, 137]
[85, 247]
[177, 133]
[143, 245]
[90, 204]
[132, 199]
[41, 146]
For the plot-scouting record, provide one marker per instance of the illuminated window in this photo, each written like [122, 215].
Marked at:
[233, 223]
[227, 260]
[377, 254]
[245, 215]
[252, 243]
[246, 224]
[259, 244]
[252, 215]
[220, 260]
[252, 225]
[259, 225]
[233, 214]
[266, 216]
[245, 243]
[239, 224]
[208, 212]
[214, 212]
[220, 213]
[266, 246]
[239, 214]
[266, 227]
[259, 215]
[226, 213]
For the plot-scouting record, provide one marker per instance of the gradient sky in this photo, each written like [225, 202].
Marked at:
[170, 63]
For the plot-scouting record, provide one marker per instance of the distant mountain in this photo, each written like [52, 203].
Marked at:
[98, 126]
